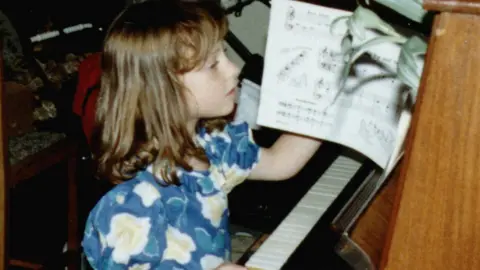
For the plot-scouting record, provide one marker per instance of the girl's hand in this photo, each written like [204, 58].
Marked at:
[230, 266]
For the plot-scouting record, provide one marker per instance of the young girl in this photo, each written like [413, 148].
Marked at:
[165, 85]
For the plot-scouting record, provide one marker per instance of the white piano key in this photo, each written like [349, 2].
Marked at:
[273, 253]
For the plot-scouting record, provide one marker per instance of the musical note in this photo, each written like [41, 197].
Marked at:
[286, 105]
[300, 28]
[308, 17]
[308, 22]
[288, 25]
[382, 59]
[308, 111]
[289, 18]
[285, 116]
[329, 60]
[330, 67]
[380, 105]
[291, 13]
[373, 134]
[285, 72]
[323, 90]
[329, 55]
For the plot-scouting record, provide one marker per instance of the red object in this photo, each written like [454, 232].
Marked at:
[88, 86]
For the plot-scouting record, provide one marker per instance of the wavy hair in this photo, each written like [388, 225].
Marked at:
[142, 111]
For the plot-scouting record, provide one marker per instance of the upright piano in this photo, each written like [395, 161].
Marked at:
[427, 215]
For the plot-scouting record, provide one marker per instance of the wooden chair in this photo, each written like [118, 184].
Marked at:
[3, 176]
[61, 151]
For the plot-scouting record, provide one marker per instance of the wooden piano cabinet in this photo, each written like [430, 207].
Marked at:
[457, 6]
[435, 221]
[371, 228]
[428, 214]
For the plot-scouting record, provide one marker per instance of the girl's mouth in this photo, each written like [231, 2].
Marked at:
[232, 91]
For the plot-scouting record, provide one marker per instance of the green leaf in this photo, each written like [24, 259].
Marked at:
[337, 21]
[407, 68]
[363, 19]
[360, 50]
[346, 44]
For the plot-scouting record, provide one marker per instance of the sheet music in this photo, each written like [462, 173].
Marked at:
[247, 103]
[302, 66]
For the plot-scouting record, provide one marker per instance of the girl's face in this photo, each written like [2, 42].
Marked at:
[212, 87]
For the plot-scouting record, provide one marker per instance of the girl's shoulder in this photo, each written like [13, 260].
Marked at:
[232, 133]
[140, 195]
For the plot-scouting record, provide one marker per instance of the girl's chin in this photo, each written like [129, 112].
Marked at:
[227, 110]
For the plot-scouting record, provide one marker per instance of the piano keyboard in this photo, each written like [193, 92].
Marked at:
[278, 247]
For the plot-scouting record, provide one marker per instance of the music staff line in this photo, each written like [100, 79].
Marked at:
[307, 21]
[366, 102]
[330, 61]
[368, 130]
[306, 119]
[372, 105]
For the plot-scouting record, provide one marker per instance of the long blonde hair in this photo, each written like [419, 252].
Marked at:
[142, 111]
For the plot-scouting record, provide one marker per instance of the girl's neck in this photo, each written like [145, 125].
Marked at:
[191, 127]
[197, 165]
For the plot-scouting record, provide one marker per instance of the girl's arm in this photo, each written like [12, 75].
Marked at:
[285, 158]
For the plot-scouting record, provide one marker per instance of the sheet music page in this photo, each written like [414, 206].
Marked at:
[302, 66]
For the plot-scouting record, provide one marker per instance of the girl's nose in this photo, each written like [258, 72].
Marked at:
[232, 69]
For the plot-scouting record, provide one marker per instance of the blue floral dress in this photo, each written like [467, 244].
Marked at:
[140, 224]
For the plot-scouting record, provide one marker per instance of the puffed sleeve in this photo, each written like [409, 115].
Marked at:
[234, 153]
[242, 151]
[127, 229]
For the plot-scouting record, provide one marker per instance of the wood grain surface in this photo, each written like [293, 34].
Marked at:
[371, 228]
[436, 217]
[458, 6]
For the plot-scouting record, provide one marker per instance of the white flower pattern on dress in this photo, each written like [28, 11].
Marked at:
[213, 207]
[147, 192]
[128, 236]
[233, 176]
[216, 175]
[143, 266]
[222, 135]
[120, 198]
[103, 241]
[210, 262]
[179, 246]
